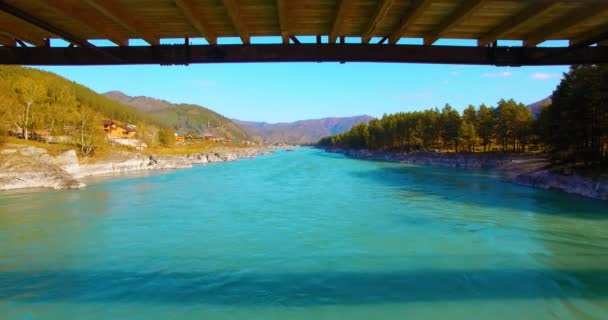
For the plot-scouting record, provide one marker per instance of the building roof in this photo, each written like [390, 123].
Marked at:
[128, 128]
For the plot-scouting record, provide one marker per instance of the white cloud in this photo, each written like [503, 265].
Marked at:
[455, 73]
[502, 74]
[544, 76]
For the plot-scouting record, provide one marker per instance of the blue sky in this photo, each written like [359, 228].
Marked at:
[277, 92]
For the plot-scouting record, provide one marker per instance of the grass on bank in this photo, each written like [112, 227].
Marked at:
[52, 149]
[191, 148]
[105, 149]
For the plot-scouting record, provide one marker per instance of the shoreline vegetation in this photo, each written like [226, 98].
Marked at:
[563, 145]
[54, 132]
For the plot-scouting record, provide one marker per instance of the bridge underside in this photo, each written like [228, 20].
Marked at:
[191, 54]
[378, 26]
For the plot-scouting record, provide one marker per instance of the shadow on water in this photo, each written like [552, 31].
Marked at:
[300, 289]
[481, 189]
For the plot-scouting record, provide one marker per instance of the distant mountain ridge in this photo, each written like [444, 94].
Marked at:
[142, 103]
[183, 117]
[303, 131]
[536, 106]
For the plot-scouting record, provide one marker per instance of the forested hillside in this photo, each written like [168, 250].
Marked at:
[33, 101]
[508, 125]
[55, 99]
[184, 118]
[573, 128]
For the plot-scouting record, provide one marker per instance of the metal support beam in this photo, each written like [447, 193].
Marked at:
[461, 13]
[416, 8]
[181, 54]
[596, 38]
[187, 9]
[382, 9]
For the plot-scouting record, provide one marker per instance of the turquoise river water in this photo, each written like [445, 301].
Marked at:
[303, 235]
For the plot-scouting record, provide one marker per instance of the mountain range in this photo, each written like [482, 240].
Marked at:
[184, 118]
[200, 120]
[303, 131]
[536, 106]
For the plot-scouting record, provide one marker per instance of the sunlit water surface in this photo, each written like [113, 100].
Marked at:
[303, 235]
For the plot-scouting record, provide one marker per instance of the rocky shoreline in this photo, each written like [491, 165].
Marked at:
[28, 167]
[524, 169]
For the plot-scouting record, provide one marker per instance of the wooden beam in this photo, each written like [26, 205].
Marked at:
[547, 31]
[527, 14]
[461, 13]
[237, 20]
[27, 17]
[414, 11]
[342, 7]
[188, 10]
[283, 14]
[31, 39]
[383, 7]
[108, 32]
[7, 41]
[72, 39]
[115, 11]
[69, 37]
[180, 54]
[598, 35]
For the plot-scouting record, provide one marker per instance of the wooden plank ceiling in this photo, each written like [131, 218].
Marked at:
[532, 21]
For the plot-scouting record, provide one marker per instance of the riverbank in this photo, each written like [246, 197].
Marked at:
[30, 167]
[525, 169]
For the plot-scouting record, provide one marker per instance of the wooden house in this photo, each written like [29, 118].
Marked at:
[115, 130]
[210, 137]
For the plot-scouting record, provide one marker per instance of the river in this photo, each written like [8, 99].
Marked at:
[303, 235]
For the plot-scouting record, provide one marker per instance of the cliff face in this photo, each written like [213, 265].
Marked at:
[31, 167]
[26, 167]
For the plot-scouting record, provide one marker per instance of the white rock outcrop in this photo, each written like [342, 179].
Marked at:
[31, 167]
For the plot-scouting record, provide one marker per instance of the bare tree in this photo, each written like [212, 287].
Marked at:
[28, 93]
[86, 132]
